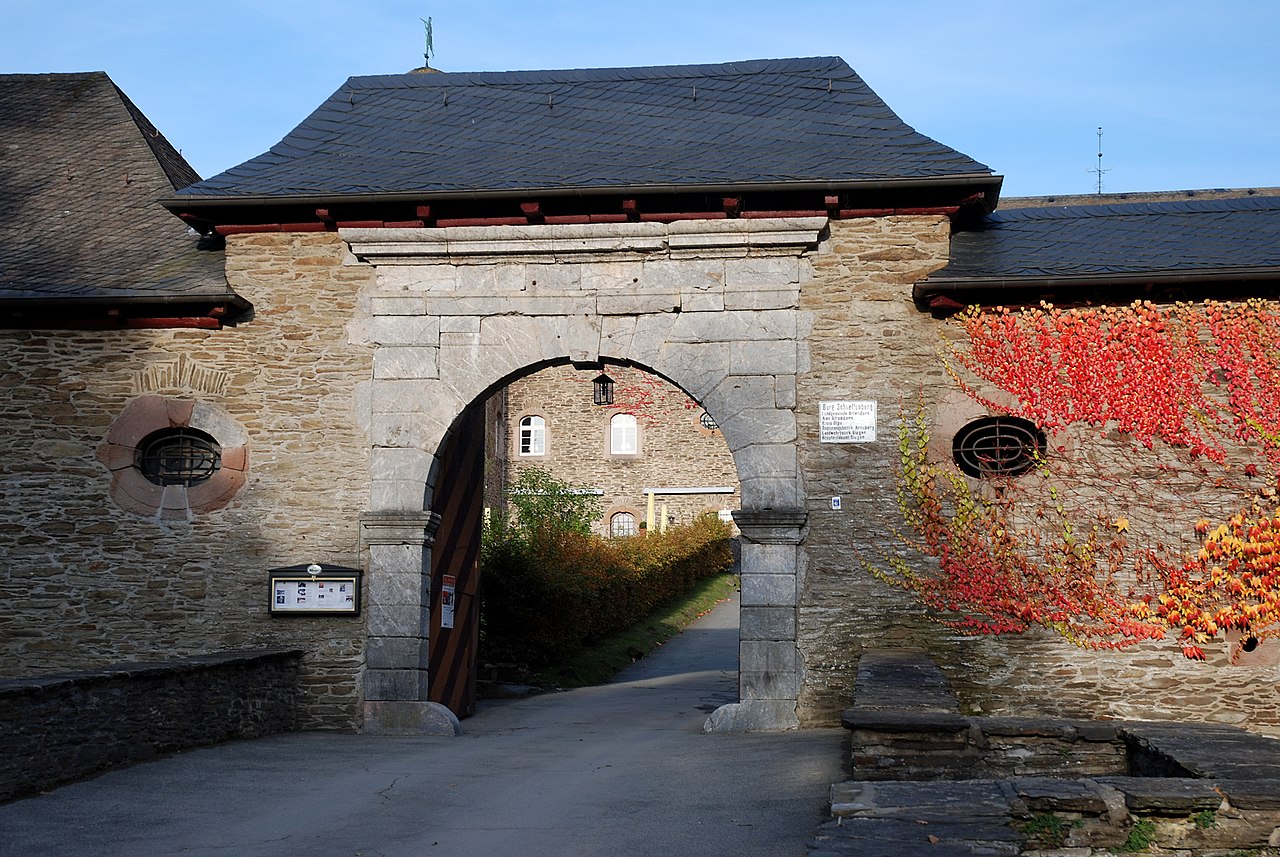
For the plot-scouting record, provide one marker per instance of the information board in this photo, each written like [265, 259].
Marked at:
[328, 591]
[847, 422]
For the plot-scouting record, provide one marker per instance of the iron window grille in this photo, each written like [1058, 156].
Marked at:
[998, 446]
[708, 422]
[622, 524]
[178, 456]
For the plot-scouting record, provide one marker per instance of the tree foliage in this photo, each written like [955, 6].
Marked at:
[544, 503]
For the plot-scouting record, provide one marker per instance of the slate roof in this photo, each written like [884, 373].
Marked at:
[674, 128]
[81, 173]
[1208, 238]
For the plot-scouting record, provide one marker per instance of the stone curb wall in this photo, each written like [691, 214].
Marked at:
[944, 746]
[60, 728]
[924, 773]
[1040, 815]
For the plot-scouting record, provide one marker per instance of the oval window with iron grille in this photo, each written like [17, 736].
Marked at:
[179, 456]
[998, 446]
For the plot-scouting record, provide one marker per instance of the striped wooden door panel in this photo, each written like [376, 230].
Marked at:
[459, 500]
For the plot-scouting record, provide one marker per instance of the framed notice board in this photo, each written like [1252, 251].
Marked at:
[314, 590]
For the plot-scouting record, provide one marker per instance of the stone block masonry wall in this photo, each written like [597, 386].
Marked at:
[710, 305]
[869, 342]
[675, 450]
[61, 728]
[86, 583]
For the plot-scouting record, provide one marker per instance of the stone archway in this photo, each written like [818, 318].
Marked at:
[712, 305]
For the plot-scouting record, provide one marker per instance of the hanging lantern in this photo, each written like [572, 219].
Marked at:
[602, 390]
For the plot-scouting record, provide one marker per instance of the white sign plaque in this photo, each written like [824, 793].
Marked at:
[847, 422]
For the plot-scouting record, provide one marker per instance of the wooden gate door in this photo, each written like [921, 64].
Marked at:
[455, 567]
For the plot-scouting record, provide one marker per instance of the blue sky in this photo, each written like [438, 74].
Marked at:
[1187, 93]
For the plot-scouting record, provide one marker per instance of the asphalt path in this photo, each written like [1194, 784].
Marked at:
[622, 770]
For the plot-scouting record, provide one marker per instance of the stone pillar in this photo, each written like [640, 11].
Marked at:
[768, 664]
[397, 622]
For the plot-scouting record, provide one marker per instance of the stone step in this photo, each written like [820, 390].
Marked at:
[935, 801]
[1165, 795]
[1207, 751]
[889, 837]
[903, 680]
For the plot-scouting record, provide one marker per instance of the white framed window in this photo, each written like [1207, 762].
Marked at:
[622, 524]
[624, 435]
[533, 436]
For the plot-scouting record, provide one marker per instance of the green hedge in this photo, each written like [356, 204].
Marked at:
[548, 592]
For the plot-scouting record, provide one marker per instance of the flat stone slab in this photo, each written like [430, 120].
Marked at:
[902, 680]
[1053, 794]
[937, 801]
[1027, 727]
[1165, 795]
[1253, 794]
[867, 837]
[1209, 751]
[906, 721]
[1098, 730]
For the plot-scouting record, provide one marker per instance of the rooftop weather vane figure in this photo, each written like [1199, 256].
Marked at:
[431, 51]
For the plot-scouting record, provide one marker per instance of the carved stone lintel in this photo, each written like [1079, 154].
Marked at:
[398, 528]
[771, 526]
[488, 244]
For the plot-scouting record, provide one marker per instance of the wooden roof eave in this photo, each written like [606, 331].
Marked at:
[947, 295]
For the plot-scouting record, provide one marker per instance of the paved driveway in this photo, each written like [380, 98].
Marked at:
[611, 771]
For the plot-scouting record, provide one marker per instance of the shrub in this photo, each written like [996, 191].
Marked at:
[549, 590]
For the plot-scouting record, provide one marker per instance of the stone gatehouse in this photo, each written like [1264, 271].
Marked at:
[765, 236]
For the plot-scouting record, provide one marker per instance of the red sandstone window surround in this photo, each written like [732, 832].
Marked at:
[202, 473]
[622, 524]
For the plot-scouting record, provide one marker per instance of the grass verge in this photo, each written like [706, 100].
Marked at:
[598, 663]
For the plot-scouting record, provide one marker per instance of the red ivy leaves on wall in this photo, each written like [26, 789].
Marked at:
[647, 397]
[1190, 375]
[1203, 378]
[996, 576]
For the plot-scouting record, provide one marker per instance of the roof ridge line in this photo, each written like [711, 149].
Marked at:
[732, 68]
[1119, 209]
[171, 162]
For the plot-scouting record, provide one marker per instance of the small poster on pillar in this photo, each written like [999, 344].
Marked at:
[448, 591]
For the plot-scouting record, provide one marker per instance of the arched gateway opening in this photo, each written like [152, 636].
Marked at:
[648, 457]
[713, 306]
